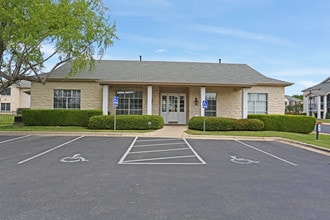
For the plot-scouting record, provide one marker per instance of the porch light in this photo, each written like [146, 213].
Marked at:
[196, 101]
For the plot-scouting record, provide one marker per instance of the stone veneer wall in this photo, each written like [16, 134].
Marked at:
[194, 110]
[276, 104]
[42, 96]
[155, 100]
[229, 101]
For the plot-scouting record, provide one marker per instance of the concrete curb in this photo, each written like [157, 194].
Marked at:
[179, 134]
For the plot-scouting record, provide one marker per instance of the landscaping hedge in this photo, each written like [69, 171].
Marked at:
[287, 123]
[126, 122]
[58, 117]
[225, 124]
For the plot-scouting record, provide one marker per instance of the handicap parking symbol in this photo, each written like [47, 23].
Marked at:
[74, 158]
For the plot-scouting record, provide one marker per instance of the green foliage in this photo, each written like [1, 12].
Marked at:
[295, 109]
[6, 119]
[287, 123]
[225, 124]
[67, 30]
[126, 122]
[328, 115]
[58, 117]
[301, 97]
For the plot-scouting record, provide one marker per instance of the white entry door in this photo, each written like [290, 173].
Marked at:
[173, 108]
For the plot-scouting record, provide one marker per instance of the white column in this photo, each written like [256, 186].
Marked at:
[306, 104]
[105, 99]
[325, 105]
[245, 102]
[203, 95]
[149, 100]
[318, 107]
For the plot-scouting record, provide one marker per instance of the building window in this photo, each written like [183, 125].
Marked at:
[257, 103]
[211, 110]
[66, 99]
[5, 107]
[129, 102]
[6, 91]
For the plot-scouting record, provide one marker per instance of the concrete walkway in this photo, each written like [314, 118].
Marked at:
[169, 131]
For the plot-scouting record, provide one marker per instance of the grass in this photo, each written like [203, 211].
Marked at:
[323, 120]
[6, 119]
[61, 129]
[6, 124]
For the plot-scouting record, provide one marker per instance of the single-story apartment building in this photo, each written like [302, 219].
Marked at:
[173, 90]
[317, 99]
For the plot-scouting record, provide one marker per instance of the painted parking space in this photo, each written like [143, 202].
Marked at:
[14, 149]
[161, 151]
[83, 180]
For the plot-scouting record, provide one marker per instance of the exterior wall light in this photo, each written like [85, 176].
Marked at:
[196, 101]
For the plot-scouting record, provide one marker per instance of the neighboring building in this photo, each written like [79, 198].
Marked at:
[16, 97]
[174, 90]
[317, 99]
[293, 104]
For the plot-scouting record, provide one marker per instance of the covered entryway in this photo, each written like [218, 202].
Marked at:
[173, 108]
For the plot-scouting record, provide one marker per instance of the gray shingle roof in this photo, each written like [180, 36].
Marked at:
[322, 88]
[157, 72]
[24, 84]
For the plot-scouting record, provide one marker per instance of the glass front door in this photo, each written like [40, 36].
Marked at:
[173, 108]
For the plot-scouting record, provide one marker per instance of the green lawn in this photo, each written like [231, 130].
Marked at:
[6, 119]
[6, 124]
[61, 129]
[323, 120]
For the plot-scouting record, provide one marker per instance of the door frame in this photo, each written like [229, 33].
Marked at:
[181, 108]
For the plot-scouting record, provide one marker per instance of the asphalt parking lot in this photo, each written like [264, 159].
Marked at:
[84, 177]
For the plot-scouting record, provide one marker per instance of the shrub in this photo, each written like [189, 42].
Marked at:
[287, 123]
[327, 115]
[225, 124]
[126, 122]
[58, 117]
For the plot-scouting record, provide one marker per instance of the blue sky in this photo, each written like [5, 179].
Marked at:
[285, 40]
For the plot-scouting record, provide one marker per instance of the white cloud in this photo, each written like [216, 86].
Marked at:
[238, 33]
[307, 83]
[303, 72]
[160, 51]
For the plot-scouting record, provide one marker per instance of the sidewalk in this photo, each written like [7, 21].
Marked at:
[174, 131]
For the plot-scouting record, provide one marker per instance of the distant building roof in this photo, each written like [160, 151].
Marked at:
[320, 89]
[24, 84]
[293, 99]
[157, 72]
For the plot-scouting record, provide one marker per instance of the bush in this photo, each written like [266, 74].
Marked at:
[225, 124]
[126, 122]
[58, 117]
[327, 115]
[287, 123]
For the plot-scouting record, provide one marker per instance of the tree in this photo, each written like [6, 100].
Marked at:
[36, 33]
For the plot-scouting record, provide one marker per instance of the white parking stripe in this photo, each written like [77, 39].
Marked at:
[153, 151]
[128, 150]
[47, 151]
[13, 139]
[125, 158]
[173, 139]
[160, 158]
[149, 145]
[269, 154]
[203, 162]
